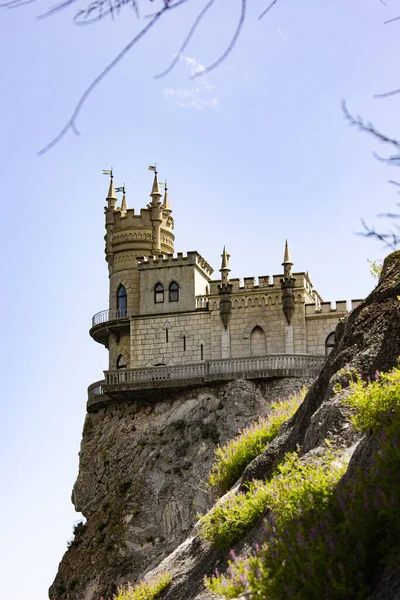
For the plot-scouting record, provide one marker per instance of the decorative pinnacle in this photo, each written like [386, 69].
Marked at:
[111, 190]
[156, 188]
[286, 258]
[225, 261]
[166, 205]
[124, 206]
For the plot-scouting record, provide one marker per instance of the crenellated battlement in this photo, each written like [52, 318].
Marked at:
[327, 307]
[265, 283]
[180, 260]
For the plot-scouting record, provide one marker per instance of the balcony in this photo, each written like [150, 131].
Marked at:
[130, 384]
[107, 321]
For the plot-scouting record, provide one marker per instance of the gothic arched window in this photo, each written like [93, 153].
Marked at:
[173, 292]
[330, 343]
[121, 362]
[122, 301]
[158, 293]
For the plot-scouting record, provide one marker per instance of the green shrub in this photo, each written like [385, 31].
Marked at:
[294, 487]
[144, 590]
[239, 452]
[371, 401]
[336, 547]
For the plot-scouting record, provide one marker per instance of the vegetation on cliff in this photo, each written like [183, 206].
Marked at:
[233, 457]
[334, 548]
[145, 590]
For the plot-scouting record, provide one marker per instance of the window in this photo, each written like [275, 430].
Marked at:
[174, 292]
[201, 352]
[158, 293]
[330, 343]
[166, 336]
[122, 301]
[184, 343]
[121, 362]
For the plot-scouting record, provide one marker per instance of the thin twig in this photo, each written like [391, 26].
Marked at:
[369, 128]
[187, 40]
[391, 20]
[387, 94]
[230, 46]
[71, 124]
[268, 9]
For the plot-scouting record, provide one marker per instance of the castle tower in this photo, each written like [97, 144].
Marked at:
[130, 236]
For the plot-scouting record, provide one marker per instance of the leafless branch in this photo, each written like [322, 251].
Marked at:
[71, 123]
[369, 128]
[387, 94]
[189, 36]
[268, 9]
[391, 20]
[230, 46]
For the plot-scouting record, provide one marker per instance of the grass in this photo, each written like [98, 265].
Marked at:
[295, 486]
[233, 457]
[144, 590]
[336, 548]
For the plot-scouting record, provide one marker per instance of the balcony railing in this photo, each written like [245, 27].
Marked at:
[109, 315]
[250, 367]
[118, 384]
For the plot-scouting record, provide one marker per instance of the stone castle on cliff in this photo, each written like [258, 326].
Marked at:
[170, 324]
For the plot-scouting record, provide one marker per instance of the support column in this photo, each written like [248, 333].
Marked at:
[226, 343]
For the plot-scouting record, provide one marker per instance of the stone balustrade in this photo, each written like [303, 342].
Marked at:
[120, 385]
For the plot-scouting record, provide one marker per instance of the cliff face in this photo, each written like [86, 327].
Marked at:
[141, 479]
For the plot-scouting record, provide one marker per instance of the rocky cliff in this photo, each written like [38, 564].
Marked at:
[141, 479]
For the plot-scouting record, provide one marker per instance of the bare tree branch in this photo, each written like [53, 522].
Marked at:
[268, 9]
[387, 94]
[189, 36]
[71, 124]
[391, 20]
[230, 47]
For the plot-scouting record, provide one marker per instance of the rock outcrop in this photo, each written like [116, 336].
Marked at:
[142, 472]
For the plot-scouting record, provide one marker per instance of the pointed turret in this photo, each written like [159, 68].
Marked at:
[287, 263]
[155, 192]
[124, 206]
[166, 204]
[225, 290]
[111, 197]
[287, 284]
[225, 270]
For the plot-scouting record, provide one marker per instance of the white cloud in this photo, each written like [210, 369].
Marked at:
[196, 95]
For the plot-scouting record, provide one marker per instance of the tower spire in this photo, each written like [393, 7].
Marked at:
[111, 197]
[124, 206]
[225, 290]
[155, 191]
[287, 284]
[166, 204]
[287, 262]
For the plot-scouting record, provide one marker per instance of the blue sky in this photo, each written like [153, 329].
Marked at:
[255, 152]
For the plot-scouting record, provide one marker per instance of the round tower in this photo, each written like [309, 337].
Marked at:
[129, 236]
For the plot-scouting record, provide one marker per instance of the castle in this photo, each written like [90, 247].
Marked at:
[170, 324]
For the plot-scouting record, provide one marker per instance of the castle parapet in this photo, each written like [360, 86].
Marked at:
[327, 308]
[180, 260]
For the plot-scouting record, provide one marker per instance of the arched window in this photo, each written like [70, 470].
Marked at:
[173, 292]
[257, 342]
[121, 362]
[158, 293]
[330, 343]
[122, 301]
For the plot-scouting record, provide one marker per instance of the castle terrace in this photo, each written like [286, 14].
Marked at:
[130, 384]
